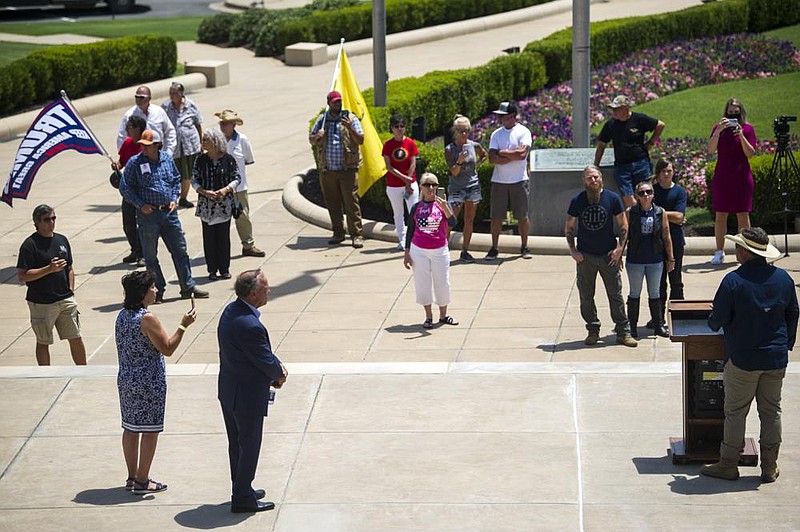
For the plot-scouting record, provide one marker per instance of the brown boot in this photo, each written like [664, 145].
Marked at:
[769, 463]
[727, 467]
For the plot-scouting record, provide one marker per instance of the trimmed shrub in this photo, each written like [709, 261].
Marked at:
[769, 14]
[438, 96]
[216, 29]
[83, 68]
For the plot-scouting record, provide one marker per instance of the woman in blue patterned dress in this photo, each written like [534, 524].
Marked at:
[142, 382]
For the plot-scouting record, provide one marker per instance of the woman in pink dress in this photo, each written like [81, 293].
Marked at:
[733, 140]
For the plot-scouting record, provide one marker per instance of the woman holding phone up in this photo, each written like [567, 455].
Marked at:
[142, 343]
[427, 250]
[733, 140]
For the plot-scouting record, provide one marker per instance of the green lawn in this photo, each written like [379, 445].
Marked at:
[11, 51]
[789, 33]
[180, 28]
[693, 112]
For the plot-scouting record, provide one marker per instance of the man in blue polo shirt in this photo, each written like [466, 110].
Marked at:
[152, 183]
[599, 250]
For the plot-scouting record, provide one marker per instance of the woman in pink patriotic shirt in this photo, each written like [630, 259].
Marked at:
[427, 250]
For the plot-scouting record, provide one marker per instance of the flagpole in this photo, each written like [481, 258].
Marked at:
[85, 125]
[333, 80]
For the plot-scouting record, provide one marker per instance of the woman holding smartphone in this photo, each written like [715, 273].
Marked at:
[733, 140]
[400, 154]
[142, 342]
[427, 250]
[463, 157]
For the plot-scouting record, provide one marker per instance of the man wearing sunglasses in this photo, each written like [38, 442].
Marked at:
[156, 118]
[45, 265]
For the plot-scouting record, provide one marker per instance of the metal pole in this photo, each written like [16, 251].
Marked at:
[581, 67]
[379, 52]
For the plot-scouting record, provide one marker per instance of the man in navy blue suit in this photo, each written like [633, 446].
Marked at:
[247, 369]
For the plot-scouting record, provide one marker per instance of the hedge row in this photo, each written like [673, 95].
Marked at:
[612, 40]
[257, 27]
[767, 200]
[770, 14]
[269, 32]
[83, 68]
[438, 96]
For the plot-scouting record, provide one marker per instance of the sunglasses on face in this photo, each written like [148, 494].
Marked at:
[140, 96]
[49, 219]
[643, 193]
[399, 126]
[430, 185]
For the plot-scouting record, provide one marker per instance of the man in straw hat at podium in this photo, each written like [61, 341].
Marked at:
[756, 305]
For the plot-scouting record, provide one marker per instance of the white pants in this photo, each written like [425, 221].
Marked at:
[431, 270]
[395, 195]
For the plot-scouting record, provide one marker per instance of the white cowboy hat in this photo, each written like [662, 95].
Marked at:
[763, 250]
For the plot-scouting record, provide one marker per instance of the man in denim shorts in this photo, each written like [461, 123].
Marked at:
[45, 265]
[509, 146]
[627, 129]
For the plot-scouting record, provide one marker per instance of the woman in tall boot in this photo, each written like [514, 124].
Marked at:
[649, 242]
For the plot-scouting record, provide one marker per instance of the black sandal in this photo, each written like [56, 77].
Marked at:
[143, 488]
[448, 320]
[129, 484]
[428, 323]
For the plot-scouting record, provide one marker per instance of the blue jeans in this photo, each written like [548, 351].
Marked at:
[636, 275]
[166, 225]
[628, 175]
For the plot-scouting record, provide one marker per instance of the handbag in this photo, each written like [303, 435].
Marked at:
[115, 178]
[237, 209]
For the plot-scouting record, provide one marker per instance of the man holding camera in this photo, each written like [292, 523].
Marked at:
[45, 265]
[336, 136]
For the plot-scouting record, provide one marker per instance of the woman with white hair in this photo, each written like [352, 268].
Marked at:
[427, 250]
[215, 176]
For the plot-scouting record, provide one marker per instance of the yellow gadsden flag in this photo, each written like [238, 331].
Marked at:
[372, 166]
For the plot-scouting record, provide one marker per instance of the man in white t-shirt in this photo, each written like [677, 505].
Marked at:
[508, 152]
[239, 148]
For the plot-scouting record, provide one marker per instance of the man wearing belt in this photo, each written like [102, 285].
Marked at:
[336, 136]
[152, 183]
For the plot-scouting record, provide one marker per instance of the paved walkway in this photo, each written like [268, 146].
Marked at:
[506, 422]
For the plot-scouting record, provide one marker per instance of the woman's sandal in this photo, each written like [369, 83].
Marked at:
[448, 320]
[129, 484]
[428, 323]
[143, 488]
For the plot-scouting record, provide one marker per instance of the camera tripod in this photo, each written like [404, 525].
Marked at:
[784, 172]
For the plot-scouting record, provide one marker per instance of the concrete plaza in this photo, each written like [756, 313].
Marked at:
[505, 422]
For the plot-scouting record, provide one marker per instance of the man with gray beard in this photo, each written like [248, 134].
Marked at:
[599, 250]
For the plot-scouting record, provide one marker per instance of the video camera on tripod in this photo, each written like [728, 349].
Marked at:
[780, 126]
[783, 177]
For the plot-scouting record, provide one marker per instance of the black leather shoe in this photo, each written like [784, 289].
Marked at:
[259, 507]
[259, 494]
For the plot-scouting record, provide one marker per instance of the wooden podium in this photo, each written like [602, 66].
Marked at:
[703, 392]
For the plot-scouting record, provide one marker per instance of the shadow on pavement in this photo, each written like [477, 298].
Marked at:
[108, 496]
[209, 516]
[701, 485]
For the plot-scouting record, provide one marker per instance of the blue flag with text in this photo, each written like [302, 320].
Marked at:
[57, 128]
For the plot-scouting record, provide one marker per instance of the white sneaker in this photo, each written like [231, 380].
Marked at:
[718, 258]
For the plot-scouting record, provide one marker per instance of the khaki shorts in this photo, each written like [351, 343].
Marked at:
[62, 314]
[515, 194]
